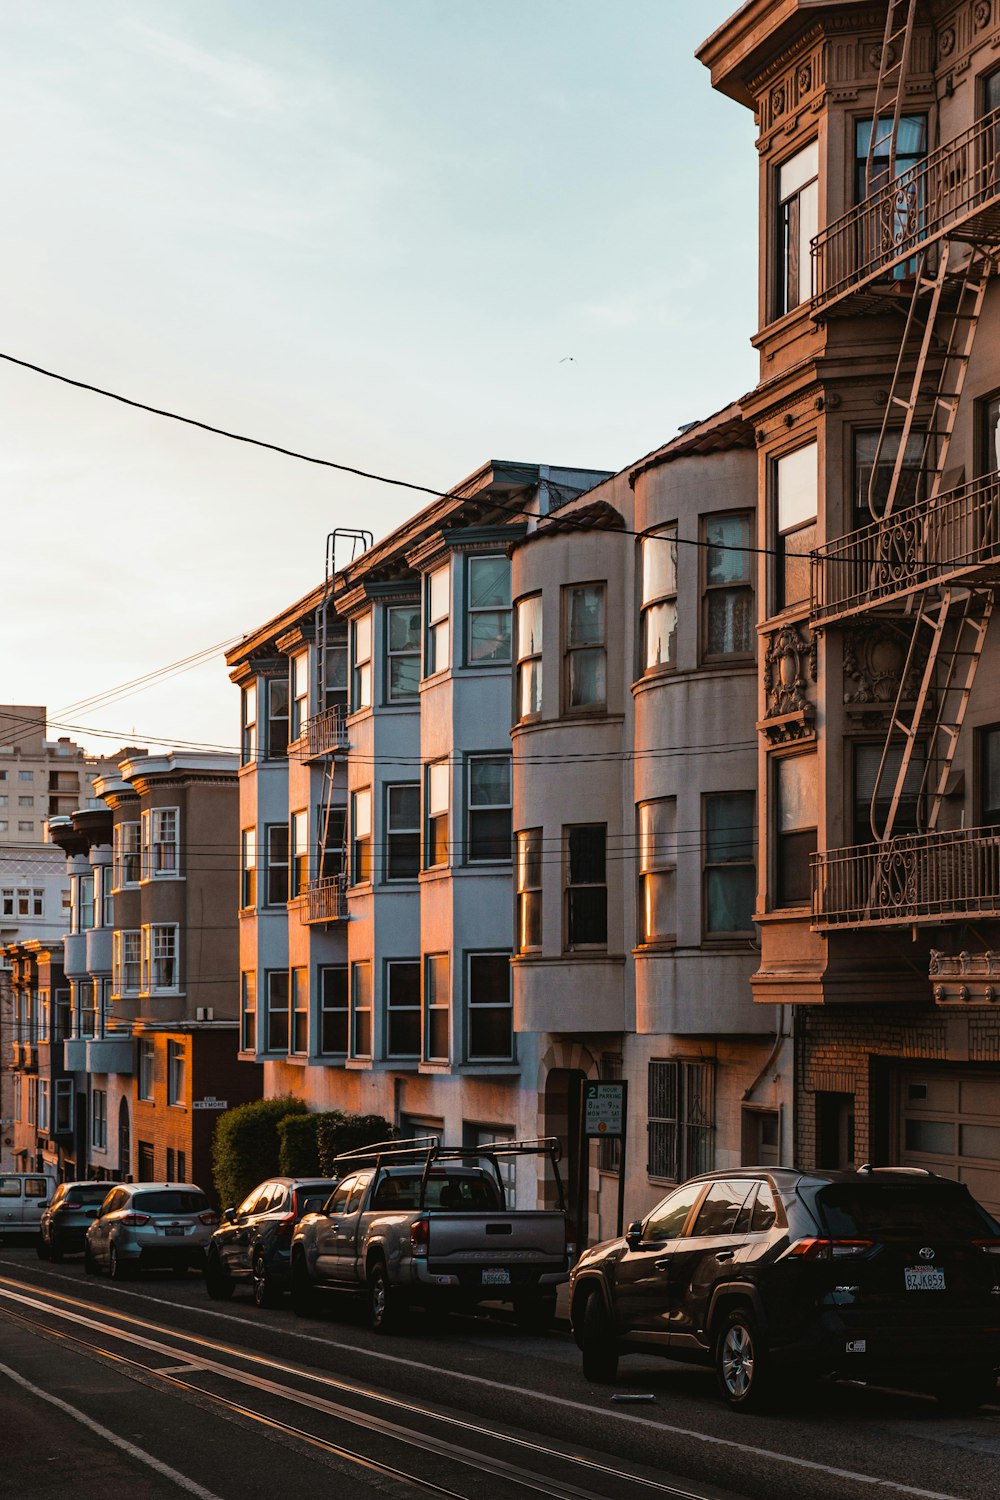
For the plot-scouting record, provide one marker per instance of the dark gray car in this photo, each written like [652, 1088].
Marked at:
[65, 1221]
[253, 1242]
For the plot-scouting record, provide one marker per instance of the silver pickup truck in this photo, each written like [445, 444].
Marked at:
[419, 1223]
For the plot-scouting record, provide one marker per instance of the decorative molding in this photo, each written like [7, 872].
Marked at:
[965, 978]
[789, 669]
[874, 658]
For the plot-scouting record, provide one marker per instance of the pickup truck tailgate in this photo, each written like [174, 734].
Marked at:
[497, 1249]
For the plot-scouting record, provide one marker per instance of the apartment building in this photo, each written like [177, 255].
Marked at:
[150, 1034]
[876, 423]
[635, 813]
[37, 1104]
[39, 778]
[376, 922]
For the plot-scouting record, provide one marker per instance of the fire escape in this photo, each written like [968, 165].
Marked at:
[325, 738]
[925, 240]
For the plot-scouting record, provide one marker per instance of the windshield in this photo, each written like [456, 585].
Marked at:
[881, 1210]
[170, 1201]
[444, 1190]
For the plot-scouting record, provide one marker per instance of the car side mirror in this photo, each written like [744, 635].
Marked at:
[633, 1235]
[229, 1214]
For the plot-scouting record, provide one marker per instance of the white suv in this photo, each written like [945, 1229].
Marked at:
[150, 1224]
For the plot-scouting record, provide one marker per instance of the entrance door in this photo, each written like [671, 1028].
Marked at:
[124, 1142]
[949, 1122]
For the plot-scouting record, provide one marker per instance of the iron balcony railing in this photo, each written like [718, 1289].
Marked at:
[326, 731]
[953, 184]
[909, 550]
[919, 877]
[327, 899]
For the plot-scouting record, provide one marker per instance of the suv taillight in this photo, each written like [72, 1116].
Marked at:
[208, 1217]
[827, 1249]
[285, 1226]
[71, 1203]
[134, 1220]
[420, 1233]
[988, 1247]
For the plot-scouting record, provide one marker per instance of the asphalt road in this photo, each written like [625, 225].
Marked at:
[152, 1385]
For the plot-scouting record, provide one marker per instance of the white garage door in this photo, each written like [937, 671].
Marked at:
[950, 1123]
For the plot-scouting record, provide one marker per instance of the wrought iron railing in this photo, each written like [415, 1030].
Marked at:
[327, 899]
[909, 550]
[953, 183]
[327, 731]
[917, 877]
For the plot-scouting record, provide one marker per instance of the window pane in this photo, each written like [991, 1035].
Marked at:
[489, 636]
[659, 905]
[362, 814]
[363, 638]
[725, 535]
[586, 615]
[587, 678]
[659, 566]
[489, 583]
[438, 786]
[730, 622]
[404, 807]
[730, 897]
[438, 594]
[797, 795]
[531, 688]
[797, 487]
[729, 828]
[489, 781]
[529, 626]
[404, 628]
[587, 854]
[660, 628]
[908, 487]
[799, 170]
[657, 839]
[404, 676]
[588, 914]
[529, 859]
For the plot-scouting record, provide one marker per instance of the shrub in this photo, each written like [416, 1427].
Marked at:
[245, 1146]
[298, 1149]
[337, 1132]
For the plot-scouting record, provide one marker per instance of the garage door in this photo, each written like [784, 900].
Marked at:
[950, 1123]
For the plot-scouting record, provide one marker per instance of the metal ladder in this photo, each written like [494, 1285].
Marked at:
[894, 63]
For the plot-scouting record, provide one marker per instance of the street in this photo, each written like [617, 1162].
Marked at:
[153, 1384]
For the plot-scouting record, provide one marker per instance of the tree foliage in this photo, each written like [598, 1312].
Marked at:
[246, 1145]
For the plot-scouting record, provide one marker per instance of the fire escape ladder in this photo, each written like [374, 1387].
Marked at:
[931, 616]
[953, 694]
[961, 323]
[894, 62]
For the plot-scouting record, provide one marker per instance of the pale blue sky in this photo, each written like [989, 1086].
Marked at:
[368, 230]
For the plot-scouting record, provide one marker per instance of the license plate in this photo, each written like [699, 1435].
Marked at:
[175, 1229]
[924, 1279]
[496, 1276]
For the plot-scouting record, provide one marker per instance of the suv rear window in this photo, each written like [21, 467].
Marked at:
[881, 1210]
[170, 1201]
[86, 1193]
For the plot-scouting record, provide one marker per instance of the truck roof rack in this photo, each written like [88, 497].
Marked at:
[428, 1149]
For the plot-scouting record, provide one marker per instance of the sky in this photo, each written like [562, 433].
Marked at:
[406, 235]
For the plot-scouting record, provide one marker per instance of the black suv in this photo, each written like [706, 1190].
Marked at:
[886, 1274]
[253, 1241]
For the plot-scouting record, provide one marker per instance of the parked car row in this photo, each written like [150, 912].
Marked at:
[769, 1276]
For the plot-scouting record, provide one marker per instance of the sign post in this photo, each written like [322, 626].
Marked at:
[603, 1117]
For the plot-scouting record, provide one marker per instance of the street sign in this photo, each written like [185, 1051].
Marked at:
[603, 1109]
[210, 1102]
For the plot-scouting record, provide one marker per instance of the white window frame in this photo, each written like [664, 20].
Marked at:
[437, 633]
[146, 1069]
[361, 663]
[176, 1073]
[154, 936]
[126, 854]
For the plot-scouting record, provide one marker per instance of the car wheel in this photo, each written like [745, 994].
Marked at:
[966, 1390]
[118, 1268]
[385, 1306]
[89, 1263]
[535, 1314]
[303, 1291]
[41, 1247]
[218, 1284]
[599, 1345]
[264, 1293]
[742, 1363]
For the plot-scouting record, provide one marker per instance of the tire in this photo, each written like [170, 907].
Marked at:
[385, 1304]
[535, 1314]
[41, 1248]
[264, 1291]
[966, 1391]
[218, 1284]
[89, 1263]
[742, 1363]
[303, 1292]
[118, 1269]
[598, 1342]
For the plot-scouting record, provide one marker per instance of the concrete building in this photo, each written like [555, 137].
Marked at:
[39, 778]
[37, 1119]
[634, 815]
[376, 925]
[876, 422]
[151, 962]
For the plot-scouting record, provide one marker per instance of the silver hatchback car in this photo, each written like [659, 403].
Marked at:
[150, 1224]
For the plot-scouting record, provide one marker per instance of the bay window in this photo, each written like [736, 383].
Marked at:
[334, 1009]
[797, 224]
[586, 886]
[658, 611]
[529, 657]
[487, 607]
[585, 681]
[402, 838]
[728, 621]
[438, 608]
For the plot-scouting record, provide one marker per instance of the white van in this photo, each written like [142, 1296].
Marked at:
[23, 1195]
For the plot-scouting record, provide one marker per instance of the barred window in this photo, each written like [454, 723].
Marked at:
[681, 1114]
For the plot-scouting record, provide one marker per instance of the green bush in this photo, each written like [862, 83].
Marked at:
[298, 1149]
[246, 1147]
[337, 1132]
